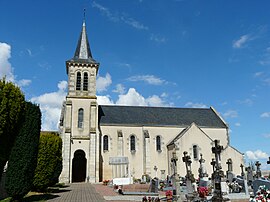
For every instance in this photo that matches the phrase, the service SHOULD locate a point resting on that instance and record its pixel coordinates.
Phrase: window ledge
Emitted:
(133, 151)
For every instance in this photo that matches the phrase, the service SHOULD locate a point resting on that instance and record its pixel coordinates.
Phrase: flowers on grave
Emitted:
(262, 195)
(144, 199)
(150, 199)
(162, 185)
(203, 192)
(168, 193)
(105, 182)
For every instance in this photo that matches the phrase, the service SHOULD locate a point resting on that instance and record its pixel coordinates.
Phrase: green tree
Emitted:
(12, 106)
(49, 164)
(23, 157)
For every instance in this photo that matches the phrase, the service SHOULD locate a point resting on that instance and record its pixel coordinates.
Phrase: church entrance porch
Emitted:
(79, 166)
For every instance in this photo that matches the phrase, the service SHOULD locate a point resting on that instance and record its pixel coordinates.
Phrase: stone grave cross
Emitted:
(203, 176)
(202, 170)
(242, 170)
(213, 164)
(250, 177)
(220, 185)
(217, 149)
(268, 162)
(229, 173)
(176, 180)
(187, 160)
(258, 170)
(190, 180)
(229, 163)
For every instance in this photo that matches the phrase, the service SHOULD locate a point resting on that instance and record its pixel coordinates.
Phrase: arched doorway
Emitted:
(79, 166)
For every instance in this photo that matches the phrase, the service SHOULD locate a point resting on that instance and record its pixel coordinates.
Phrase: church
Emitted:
(102, 142)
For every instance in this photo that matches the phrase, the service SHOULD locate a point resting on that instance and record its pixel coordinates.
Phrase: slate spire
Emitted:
(83, 51)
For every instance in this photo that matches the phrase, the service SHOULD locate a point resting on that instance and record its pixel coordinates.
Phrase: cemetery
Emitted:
(218, 186)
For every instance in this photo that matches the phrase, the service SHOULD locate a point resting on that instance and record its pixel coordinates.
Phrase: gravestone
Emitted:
(243, 176)
(190, 180)
(258, 174)
(229, 173)
(260, 182)
(220, 186)
(230, 177)
(250, 177)
(154, 186)
(203, 176)
(268, 162)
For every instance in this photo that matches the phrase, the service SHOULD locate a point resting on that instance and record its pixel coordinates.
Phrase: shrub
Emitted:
(12, 106)
(49, 164)
(23, 156)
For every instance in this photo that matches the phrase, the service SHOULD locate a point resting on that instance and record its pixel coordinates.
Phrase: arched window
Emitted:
(195, 152)
(80, 118)
(158, 145)
(85, 81)
(105, 143)
(78, 81)
(132, 143)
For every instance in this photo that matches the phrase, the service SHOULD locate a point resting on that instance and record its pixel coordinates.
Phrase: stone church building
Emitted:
(102, 142)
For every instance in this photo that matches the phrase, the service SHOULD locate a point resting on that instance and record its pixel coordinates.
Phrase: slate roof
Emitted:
(83, 52)
(158, 116)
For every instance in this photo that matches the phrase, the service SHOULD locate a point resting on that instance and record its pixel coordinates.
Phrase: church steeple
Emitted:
(83, 51)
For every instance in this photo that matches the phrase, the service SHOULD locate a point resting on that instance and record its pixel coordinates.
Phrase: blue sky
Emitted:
(182, 53)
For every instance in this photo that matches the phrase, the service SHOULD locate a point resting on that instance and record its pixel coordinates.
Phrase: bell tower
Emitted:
(80, 116)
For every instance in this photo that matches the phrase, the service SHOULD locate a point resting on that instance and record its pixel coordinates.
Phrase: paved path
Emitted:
(80, 192)
(77, 192)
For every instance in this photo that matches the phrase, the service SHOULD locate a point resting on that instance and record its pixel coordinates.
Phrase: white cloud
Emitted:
(155, 101)
(116, 17)
(265, 57)
(134, 23)
(6, 69)
(247, 102)
(104, 100)
(103, 82)
(50, 106)
(258, 74)
(265, 115)
(255, 155)
(231, 114)
(164, 95)
(237, 124)
(267, 81)
(24, 82)
(267, 135)
(132, 98)
(241, 42)
(150, 79)
(157, 38)
(119, 89)
(29, 52)
(195, 105)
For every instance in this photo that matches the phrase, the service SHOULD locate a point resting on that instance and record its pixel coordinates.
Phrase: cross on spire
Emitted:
(84, 14)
